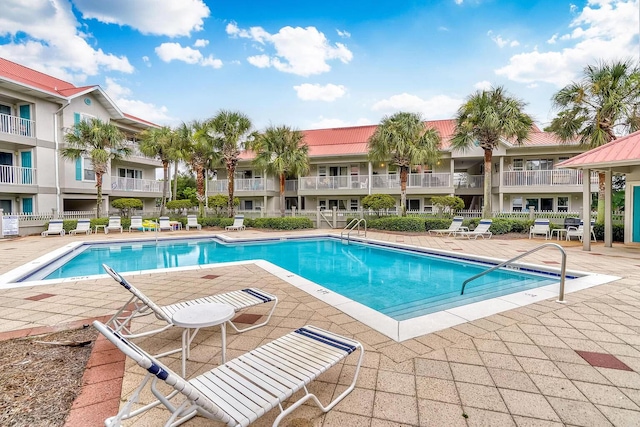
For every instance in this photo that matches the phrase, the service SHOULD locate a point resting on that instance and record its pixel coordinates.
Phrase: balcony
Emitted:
(333, 182)
(291, 185)
(242, 185)
(414, 180)
(555, 177)
(136, 185)
(15, 125)
(16, 175)
(463, 180)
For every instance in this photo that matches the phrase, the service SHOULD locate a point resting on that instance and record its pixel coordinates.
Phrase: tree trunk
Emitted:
(282, 195)
(200, 190)
(404, 171)
(174, 195)
(486, 206)
(99, 198)
(165, 186)
(230, 186)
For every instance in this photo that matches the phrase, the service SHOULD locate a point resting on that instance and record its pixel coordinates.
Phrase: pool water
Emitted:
(399, 283)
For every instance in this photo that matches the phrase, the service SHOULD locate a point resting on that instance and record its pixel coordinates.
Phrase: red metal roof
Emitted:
(21, 74)
(622, 151)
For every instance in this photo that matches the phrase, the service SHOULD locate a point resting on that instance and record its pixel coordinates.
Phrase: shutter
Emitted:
(25, 162)
(27, 205)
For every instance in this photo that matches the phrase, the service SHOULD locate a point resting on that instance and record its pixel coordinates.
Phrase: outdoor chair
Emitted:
(481, 230)
(243, 389)
(136, 224)
(164, 224)
(55, 227)
(114, 224)
(83, 226)
(238, 224)
(456, 226)
(540, 227)
(579, 231)
(192, 222)
(140, 305)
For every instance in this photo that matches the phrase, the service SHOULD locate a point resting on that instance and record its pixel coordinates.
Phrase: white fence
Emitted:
(17, 175)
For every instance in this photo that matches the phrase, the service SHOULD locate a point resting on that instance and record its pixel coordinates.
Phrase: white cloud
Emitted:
(328, 123)
(52, 41)
(442, 28)
(121, 95)
(514, 43)
(439, 106)
(201, 43)
(301, 51)
(316, 92)
(159, 17)
(483, 85)
(604, 30)
(145, 59)
(553, 39)
(344, 34)
(458, 1)
(174, 51)
(502, 42)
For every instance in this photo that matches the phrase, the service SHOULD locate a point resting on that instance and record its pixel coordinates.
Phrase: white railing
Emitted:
(47, 216)
(133, 184)
(17, 125)
(17, 175)
(463, 180)
(333, 182)
(291, 185)
(249, 184)
(415, 180)
(553, 177)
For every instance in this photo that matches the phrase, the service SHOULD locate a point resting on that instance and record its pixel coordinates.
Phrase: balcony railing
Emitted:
(17, 125)
(133, 184)
(248, 184)
(333, 182)
(415, 180)
(17, 175)
(463, 180)
(555, 177)
(291, 185)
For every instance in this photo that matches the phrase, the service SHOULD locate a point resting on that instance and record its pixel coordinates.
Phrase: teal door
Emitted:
(636, 214)
(27, 205)
(25, 124)
(25, 162)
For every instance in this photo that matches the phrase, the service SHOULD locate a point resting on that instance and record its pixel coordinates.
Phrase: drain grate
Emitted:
(603, 360)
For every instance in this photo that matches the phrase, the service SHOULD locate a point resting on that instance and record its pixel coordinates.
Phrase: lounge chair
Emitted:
(114, 224)
(140, 305)
(245, 388)
(83, 226)
(136, 224)
(456, 226)
(164, 224)
(238, 224)
(192, 222)
(579, 231)
(540, 227)
(55, 227)
(481, 230)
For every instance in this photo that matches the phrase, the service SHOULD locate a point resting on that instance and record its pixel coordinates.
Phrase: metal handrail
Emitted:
(563, 268)
(355, 222)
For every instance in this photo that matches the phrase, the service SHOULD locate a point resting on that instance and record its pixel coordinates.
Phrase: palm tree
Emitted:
(157, 143)
(404, 140)
(179, 151)
(485, 118)
(594, 110)
(201, 155)
(281, 151)
(98, 141)
(229, 131)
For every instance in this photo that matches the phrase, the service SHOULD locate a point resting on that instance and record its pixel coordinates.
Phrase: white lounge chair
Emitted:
(114, 224)
(579, 231)
(192, 222)
(540, 227)
(245, 388)
(456, 226)
(481, 230)
(164, 224)
(83, 226)
(238, 224)
(136, 224)
(140, 305)
(55, 227)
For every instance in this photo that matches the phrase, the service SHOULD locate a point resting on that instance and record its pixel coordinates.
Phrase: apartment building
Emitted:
(36, 110)
(523, 176)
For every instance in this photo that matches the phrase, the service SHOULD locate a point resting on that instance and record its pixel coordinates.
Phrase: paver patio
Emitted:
(526, 367)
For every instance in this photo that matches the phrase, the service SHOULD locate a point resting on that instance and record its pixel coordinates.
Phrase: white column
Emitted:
(586, 209)
(608, 223)
(370, 181)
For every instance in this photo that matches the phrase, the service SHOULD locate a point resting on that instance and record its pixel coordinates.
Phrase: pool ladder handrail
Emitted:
(563, 268)
(355, 222)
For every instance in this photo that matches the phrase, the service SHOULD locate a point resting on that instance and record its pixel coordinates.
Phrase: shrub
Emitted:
(447, 204)
(436, 224)
(618, 232)
(378, 202)
(394, 223)
(287, 223)
(220, 202)
(127, 205)
(179, 204)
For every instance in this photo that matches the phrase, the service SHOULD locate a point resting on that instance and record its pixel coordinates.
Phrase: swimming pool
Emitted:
(398, 283)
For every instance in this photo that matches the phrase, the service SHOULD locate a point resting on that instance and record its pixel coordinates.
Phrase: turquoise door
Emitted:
(636, 214)
(25, 125)
(25, 162)
(27, 205)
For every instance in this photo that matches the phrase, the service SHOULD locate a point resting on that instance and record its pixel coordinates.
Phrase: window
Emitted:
(392, 169)
(516, 205)
(322, 171)
(322, 204)
(130, 173)
(563, 204)
(354, 204)
(88, 174)
(248, 205)
(533, 203)
(340, 204)
(539, 164)
(355, 170)
(413, 204)
(428, 205)
(518, 164)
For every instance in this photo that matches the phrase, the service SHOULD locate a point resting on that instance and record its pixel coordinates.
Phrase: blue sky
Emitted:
(316, 64)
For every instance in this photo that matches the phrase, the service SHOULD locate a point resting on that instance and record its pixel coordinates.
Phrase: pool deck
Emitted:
(540, 365)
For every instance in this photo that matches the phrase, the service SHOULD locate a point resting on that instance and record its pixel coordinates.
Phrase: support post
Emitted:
(608, 222)
(335, 217)
(586, 209)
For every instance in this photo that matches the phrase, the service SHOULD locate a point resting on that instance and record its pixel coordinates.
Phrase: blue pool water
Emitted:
(399, 283)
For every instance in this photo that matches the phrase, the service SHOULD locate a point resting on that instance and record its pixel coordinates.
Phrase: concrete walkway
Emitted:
(540, 365)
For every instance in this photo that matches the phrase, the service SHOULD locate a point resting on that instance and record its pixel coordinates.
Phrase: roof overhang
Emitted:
(31, 90)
